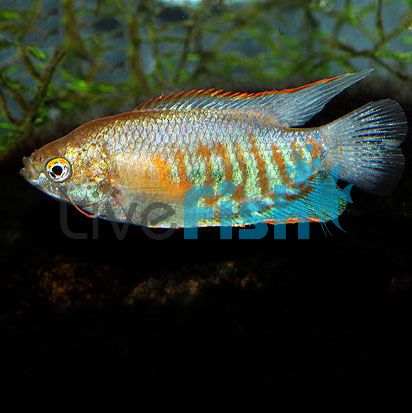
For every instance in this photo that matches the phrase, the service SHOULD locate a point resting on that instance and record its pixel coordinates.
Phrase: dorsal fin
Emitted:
(289, 107)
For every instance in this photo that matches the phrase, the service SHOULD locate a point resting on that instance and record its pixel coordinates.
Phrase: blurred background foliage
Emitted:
(76, 59)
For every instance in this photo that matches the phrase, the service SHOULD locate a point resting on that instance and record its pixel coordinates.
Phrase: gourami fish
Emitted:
(247, 149)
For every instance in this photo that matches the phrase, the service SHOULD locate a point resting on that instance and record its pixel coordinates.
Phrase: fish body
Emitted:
(247, 153)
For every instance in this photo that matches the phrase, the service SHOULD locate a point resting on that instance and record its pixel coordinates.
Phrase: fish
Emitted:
(214, 158)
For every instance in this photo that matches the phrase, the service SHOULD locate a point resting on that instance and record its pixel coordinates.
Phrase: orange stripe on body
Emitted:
(184, 185)
(281, 165)
(264, 184)
(181, 166)
(206, 155)
(303, 187)
(239, 193)
(221, 150)
(163, 170)
(316, 148)
(297, 151)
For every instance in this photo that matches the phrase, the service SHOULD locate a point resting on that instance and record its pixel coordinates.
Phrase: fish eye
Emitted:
(59, 169)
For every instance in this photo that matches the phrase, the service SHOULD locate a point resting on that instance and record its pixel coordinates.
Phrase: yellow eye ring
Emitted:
(59, 169)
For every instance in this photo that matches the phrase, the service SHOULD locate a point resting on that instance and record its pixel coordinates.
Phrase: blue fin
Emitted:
(325, 202)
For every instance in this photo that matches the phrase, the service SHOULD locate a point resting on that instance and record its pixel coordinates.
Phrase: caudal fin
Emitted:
(363, 146)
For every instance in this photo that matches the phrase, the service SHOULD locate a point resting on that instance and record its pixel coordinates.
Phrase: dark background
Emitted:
(194, 322)
(323, 322)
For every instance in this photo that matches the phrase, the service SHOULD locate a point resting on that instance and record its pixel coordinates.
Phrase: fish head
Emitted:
(68, 169)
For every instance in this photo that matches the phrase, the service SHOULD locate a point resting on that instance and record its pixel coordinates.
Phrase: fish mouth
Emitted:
(28, 172)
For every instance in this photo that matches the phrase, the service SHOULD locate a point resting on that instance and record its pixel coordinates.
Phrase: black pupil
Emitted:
(57, 170)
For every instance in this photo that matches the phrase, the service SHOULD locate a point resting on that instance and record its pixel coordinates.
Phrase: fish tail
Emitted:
(363, 147)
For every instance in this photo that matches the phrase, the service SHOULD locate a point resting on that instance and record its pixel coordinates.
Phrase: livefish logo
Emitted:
(324, 202)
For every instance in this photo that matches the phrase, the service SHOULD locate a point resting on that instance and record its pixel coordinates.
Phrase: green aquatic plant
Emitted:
(20, 128)
(117, 53)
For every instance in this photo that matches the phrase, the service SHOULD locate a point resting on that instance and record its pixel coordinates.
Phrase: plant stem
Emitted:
(28, 123)
(6, 110)
(17, 96)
